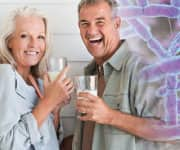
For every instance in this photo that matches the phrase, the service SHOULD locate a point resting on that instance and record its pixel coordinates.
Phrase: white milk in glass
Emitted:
(53, 74)
(93, 92)
(55, 66)
(86, 84)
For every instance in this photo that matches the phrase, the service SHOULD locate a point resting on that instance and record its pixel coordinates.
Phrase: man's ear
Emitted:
(117, 22)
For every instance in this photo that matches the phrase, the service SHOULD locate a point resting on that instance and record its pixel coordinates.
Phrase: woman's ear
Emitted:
(9, 43)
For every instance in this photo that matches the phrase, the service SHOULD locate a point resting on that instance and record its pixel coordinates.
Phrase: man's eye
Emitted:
(84, 24)
(100, 23)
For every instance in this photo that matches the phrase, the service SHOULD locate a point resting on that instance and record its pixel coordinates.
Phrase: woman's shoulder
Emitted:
(6, 68)
(6, 71)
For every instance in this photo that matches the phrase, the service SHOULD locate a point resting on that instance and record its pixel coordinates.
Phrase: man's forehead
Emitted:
(98, 6)
(96, 12)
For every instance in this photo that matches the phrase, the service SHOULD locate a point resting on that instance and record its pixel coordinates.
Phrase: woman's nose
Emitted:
(32, 42)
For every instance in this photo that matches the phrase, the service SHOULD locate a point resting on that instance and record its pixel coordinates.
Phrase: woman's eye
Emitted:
(41, 37)
(23, 35)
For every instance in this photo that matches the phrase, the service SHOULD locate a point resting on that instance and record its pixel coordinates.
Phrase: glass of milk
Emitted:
(86, 83)
(56, 65)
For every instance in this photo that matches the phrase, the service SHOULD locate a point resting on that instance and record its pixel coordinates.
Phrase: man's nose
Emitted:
(92, 30)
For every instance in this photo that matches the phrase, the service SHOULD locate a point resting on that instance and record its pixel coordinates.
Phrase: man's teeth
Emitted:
(95, 39)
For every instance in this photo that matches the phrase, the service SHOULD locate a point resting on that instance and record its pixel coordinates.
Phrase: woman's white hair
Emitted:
(7, 30)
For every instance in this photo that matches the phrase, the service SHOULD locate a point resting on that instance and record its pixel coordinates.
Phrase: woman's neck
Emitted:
(24, 73)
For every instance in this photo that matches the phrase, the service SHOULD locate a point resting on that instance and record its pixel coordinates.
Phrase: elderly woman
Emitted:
(28, 107)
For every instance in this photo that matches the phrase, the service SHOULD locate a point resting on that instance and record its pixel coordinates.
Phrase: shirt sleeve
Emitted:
(148, 102)
(18, 130)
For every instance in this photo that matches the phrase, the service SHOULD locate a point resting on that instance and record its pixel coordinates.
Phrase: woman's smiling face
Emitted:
(28, 42)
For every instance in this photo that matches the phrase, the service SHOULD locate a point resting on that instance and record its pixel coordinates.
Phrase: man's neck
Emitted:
(101, 61)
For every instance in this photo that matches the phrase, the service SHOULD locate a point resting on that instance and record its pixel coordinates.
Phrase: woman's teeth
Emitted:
(31, 52)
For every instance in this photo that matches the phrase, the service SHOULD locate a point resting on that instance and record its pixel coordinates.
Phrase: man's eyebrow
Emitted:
(100, 18)
(83, 20)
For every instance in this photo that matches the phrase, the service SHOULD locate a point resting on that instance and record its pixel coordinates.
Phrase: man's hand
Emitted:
(94, 108)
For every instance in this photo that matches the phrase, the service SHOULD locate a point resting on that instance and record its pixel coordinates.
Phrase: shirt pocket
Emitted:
(119, 102)
(120, 142)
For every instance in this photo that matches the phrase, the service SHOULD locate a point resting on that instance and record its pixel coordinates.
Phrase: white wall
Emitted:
(66, 40)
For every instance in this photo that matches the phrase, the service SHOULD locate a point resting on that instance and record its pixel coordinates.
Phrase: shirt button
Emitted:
(41, 137)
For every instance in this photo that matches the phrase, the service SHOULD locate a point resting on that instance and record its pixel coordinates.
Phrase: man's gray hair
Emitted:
(112, 3)
(7, 30)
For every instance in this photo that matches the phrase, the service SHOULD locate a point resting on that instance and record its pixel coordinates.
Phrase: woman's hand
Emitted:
(56, 94)
(58, 91)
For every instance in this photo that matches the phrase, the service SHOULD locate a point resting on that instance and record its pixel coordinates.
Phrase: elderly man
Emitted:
(129, 115)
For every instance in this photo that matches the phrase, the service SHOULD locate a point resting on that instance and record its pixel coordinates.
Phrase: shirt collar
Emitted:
(22, 88)
(118, 57)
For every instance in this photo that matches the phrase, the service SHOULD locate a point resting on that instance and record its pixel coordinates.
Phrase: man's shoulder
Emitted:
(138, 58)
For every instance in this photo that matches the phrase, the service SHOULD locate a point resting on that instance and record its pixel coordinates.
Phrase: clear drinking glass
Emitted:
(56, 65)
(86, 83)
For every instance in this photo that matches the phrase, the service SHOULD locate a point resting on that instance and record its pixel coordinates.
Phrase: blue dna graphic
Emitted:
(168, 66)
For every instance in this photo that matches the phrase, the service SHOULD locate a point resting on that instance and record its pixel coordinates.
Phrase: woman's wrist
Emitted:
(40, 113)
